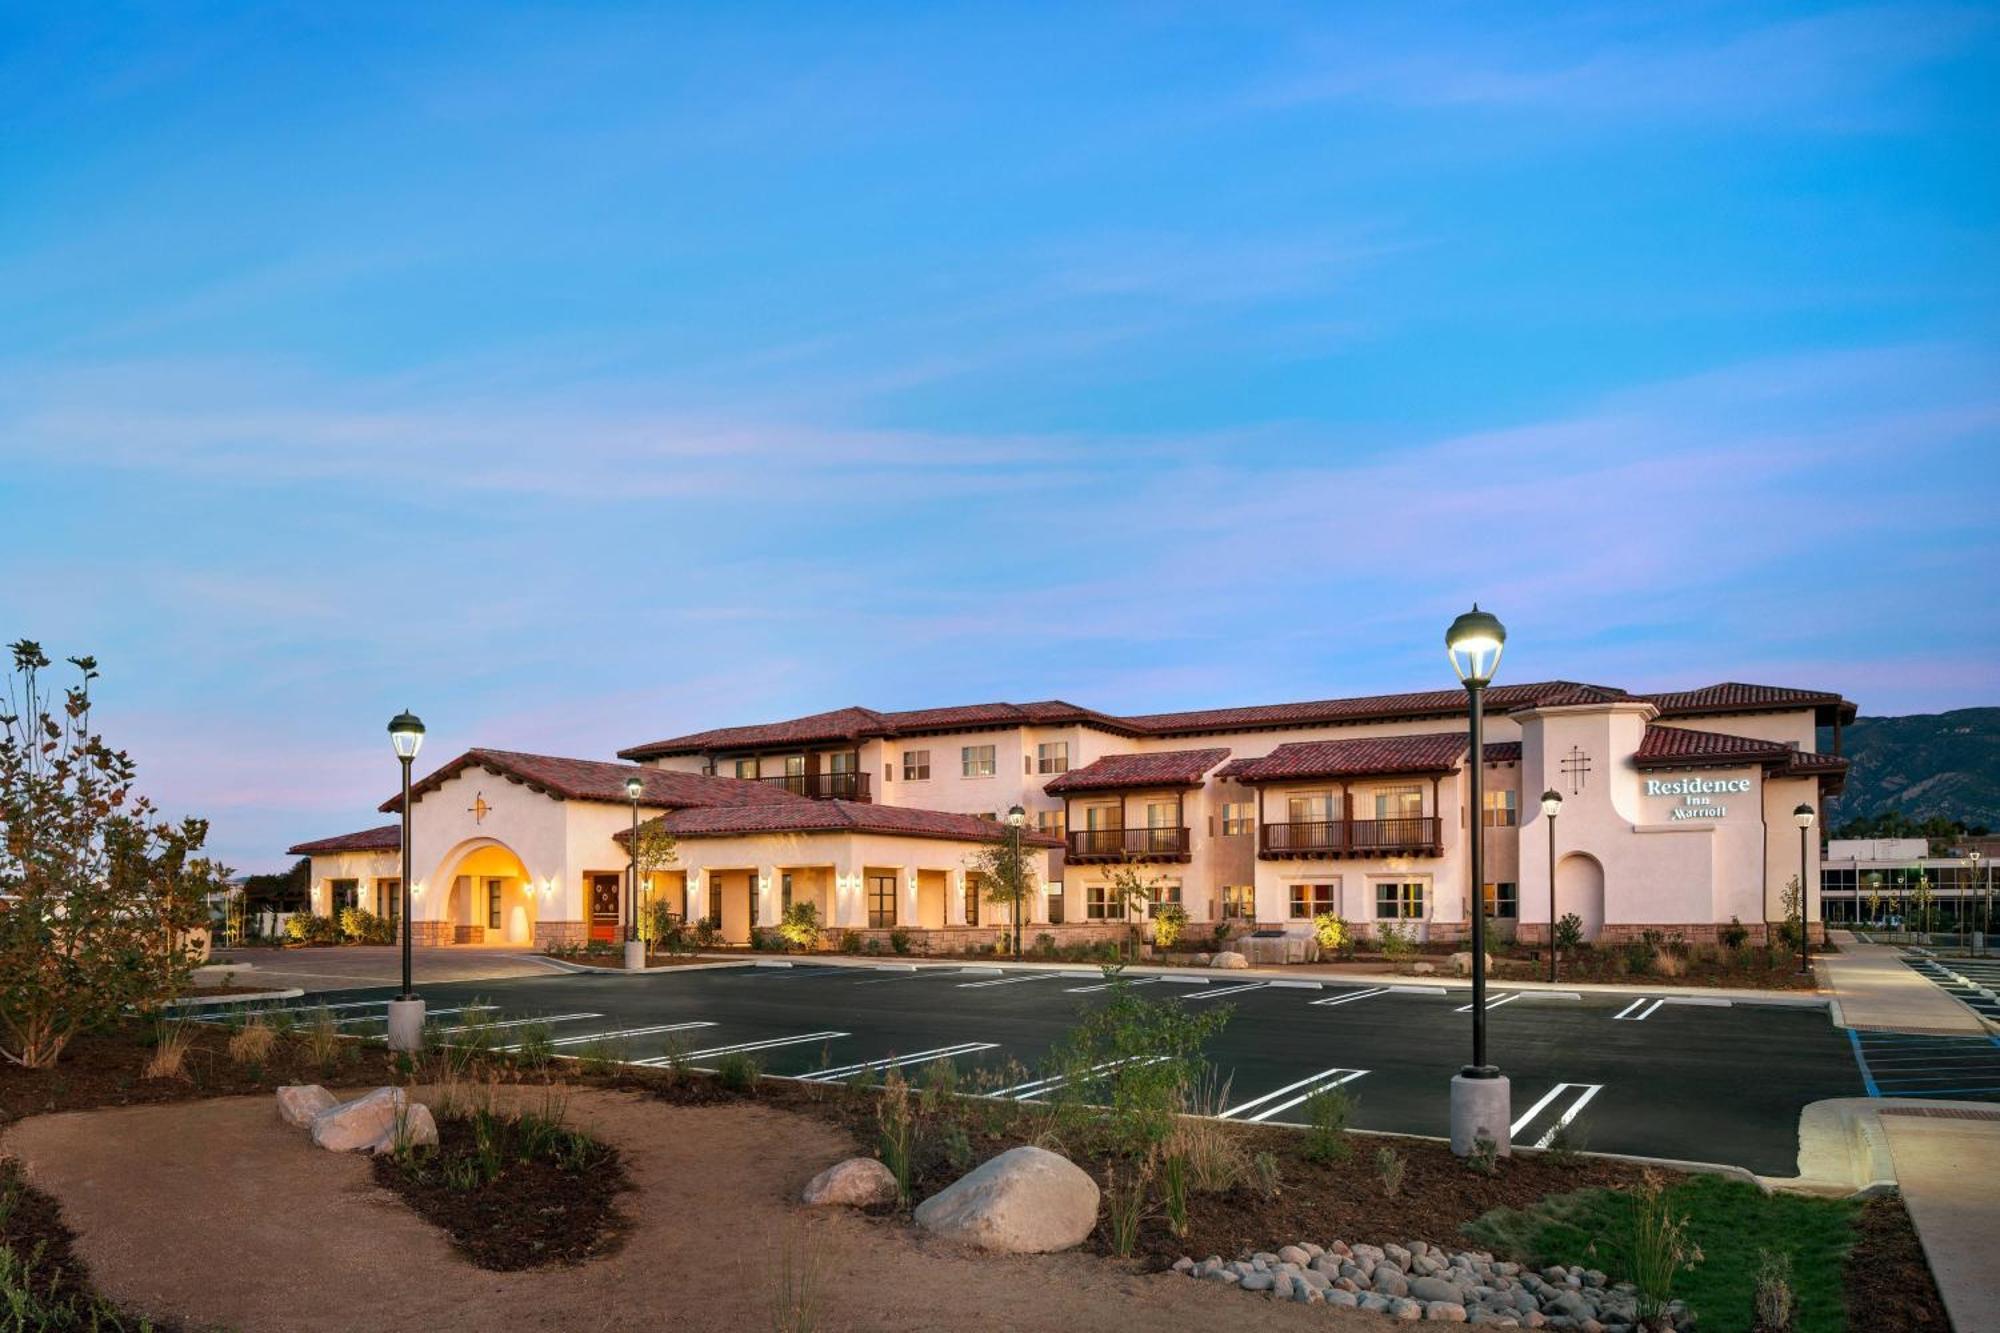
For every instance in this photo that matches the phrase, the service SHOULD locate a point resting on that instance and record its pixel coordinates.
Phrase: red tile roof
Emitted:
(1432, 752)
(1681, 747)
(837, 817)
(1503, 752)
(1371, 708)
(598, 780)
(1126, 772)
(1737, 697)
(387, 838)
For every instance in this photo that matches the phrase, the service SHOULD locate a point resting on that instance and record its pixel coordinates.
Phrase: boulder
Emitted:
(1445, 1312)
(1430, 1289)
(1025, 1201)
(858, 1182)
(417, 1130)
(299, 1103)
(1423, 969)
(361, 1123)
(1229, 958)
(1461, 962)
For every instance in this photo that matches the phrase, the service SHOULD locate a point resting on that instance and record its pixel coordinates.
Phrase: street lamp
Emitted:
(635, 948)
(1552, 804)
(1803, 817)
(406, 1011)
(1016, 817)
(1481, 1105)
(1986, 903)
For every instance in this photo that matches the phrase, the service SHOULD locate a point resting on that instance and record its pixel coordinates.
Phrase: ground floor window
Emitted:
(714, 904)
(975, 888)
(1162, 893)
(1101, 904)
(881, 901)
(1399, 901)
(1055, 904)
(493, 887)
(1503, 902)
(1239, 902)
(389, 896)
(785, 892)
(1309, 900)
(345, 893)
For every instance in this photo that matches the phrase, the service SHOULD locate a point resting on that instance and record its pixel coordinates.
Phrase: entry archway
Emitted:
(488, 895)
(1580, 889)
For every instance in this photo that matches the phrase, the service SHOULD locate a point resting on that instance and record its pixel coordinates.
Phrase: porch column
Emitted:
(844, 905)
(765, 886)
(697, 896)
(907, 880)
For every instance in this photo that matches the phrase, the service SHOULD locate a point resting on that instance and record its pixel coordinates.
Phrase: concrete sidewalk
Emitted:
(1874, 988)
(1947, 1161)
(347, 966)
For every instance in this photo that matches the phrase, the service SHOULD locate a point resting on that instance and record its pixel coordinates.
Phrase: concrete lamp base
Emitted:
(406, 1024)
(1481, 1108)
(635, 955)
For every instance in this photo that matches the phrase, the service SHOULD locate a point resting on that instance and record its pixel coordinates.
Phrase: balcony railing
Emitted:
(1118, 843)
(849, 786)
(1357, 837)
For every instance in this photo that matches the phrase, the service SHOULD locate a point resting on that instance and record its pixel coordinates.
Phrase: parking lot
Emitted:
(1655, 1075)
(1973, 982)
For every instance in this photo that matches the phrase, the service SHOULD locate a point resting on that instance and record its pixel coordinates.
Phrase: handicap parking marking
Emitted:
(513, 1023)
(888, 1062)
(1215, 993)
(1505, 998)
(1259, 1109)
(1643, 1010)
(1585, 1092)
(1036, 1088)
(768, 1044)
(616, 1034)
(1012, 981)
(1351, 996)
(1107, 985)
(1908, 1064)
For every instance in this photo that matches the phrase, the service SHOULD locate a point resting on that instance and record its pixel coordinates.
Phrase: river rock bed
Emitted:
(1422, 1281)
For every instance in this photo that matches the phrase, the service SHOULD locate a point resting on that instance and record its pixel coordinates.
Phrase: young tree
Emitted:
(1006, 871)
(100, 896)
(655, 850)
(1135, 889)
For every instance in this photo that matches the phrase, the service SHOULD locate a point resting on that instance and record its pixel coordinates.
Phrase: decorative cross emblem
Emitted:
(479, 809)
(1577, 765)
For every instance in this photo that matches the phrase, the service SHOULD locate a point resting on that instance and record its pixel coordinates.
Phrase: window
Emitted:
(975, 889)
(1503, 902)
(977, 761)
(389, 896)
(1399, 803)
(1309, 900)
(841, 761)
(1049, 822)
(493, 903)
(1399, 902)
(785, 891)
(1502, 808)
(1313, 807)
(881, 901)
(1238, 817)
(1163, 893)
(1052, 757)
(916, 765)
(1055, 904)
(1101, 904)
(1239, 902)
(715, 901)
(346, 893)
(746, 768)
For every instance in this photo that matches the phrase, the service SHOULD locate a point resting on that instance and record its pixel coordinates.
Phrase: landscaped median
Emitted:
(556, 1185)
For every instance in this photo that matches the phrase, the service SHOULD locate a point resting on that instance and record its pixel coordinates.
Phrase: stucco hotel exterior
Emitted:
(1676, 815)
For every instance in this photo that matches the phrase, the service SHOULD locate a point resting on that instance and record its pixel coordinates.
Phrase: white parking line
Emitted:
(1033, 1088)
(899, 1061)
(1304, 1088)
(1630, 1017)
(1012, 981)
(765, 1045)
(1351, 996)
(434, 1013)
(912, 974)
(514, 1023)
(620, 1034)
(1228, 990)
(1107, 985)
(1490, 1003)
(1585, 1091)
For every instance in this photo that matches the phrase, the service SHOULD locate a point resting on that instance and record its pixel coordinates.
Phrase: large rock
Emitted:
(1432, 1289)
(300, 1103)
(417, 1129)
(361, 1123)
(858, 1182)
(1229, 958)
(1025, 1201)
(1461, 962)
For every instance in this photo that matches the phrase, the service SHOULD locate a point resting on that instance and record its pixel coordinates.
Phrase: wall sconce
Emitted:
(417, 889)
(913, 879)
(763, 884)
(548, 886)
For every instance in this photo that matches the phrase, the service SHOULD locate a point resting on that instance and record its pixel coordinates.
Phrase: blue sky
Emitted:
(584, 374)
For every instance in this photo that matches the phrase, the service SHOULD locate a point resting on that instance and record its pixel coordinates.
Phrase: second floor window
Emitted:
(977, 761)
(1049, 822)
(1501, 808)
(1052, 757)
(1238, 817)
(1399, 803)
(916, 765)
(746, 768)
(1312, 807)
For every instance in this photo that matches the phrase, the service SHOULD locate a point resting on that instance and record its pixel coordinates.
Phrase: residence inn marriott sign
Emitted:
(1676, 815)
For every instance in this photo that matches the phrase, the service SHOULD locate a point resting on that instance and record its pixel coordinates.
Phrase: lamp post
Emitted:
(1016, 817)
(1552, 804)
(1481, 1105)
(1986, 903)
(1803, 817)
(635, 948)
(406, 1011)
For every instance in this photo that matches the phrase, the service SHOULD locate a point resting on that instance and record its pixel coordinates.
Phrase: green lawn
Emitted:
(1729, 1219)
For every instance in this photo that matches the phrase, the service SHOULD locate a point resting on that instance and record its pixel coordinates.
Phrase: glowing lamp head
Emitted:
(1017, 816)
(406, 733)
(1474, 642)
(1552, 803)
(1803, 816)
(634, 788)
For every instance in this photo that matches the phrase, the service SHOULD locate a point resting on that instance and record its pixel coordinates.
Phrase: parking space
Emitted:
(1710, 1082)
(1973, 982)
(1900, 1064)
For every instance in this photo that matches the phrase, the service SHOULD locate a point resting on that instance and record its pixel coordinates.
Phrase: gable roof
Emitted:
(1125, 772)
(1681, 747)
(1433, 752)
(599, 780)
(387, 838)
(835, 817)
(1733, 696)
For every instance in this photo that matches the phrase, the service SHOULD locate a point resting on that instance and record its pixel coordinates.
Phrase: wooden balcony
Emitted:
(849, 786)
(1416, 836)
(1127, 844)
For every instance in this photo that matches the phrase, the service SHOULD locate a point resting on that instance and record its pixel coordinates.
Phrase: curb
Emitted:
(254, 997)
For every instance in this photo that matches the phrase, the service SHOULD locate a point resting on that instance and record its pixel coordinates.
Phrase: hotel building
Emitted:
(1676, 815)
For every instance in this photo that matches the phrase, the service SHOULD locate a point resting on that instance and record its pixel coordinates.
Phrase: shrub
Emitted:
(1735, 935)
(738, 1072)
(800, 926)
(1397, 943)
(537, 1046)
(1138, 1057)
(1174, 1192)
(760, 940)
(707, 934)
(1659, 1249)
(899, 940)
(1265, 1174)
(1389, 1170)
(1484, 1159)
(1125, 1205)
(1169, 925)
(170, 1048)
(1332, 932)
(322, 1037)
(1569, 933)
(364, 927)
(1045, 943)
(895, 1123)
(251, 1044)
(1774, 1302)
(1327, 1113)
(872, 945)
(850, 942)
(1637, 955)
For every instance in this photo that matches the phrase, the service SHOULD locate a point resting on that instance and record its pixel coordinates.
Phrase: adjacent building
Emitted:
(1676, 815)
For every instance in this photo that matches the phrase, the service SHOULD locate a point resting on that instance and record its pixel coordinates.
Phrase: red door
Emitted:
(605, 918)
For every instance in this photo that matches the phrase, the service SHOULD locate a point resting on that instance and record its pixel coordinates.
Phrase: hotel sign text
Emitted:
(1697, 795)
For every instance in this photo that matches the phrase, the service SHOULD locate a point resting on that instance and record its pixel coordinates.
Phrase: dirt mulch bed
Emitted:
(538, 1212)
(32, 1227)
(1887, 1276)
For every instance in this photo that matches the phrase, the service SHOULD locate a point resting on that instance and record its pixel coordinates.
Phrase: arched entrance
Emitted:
(1580, 889)
(489, 895)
